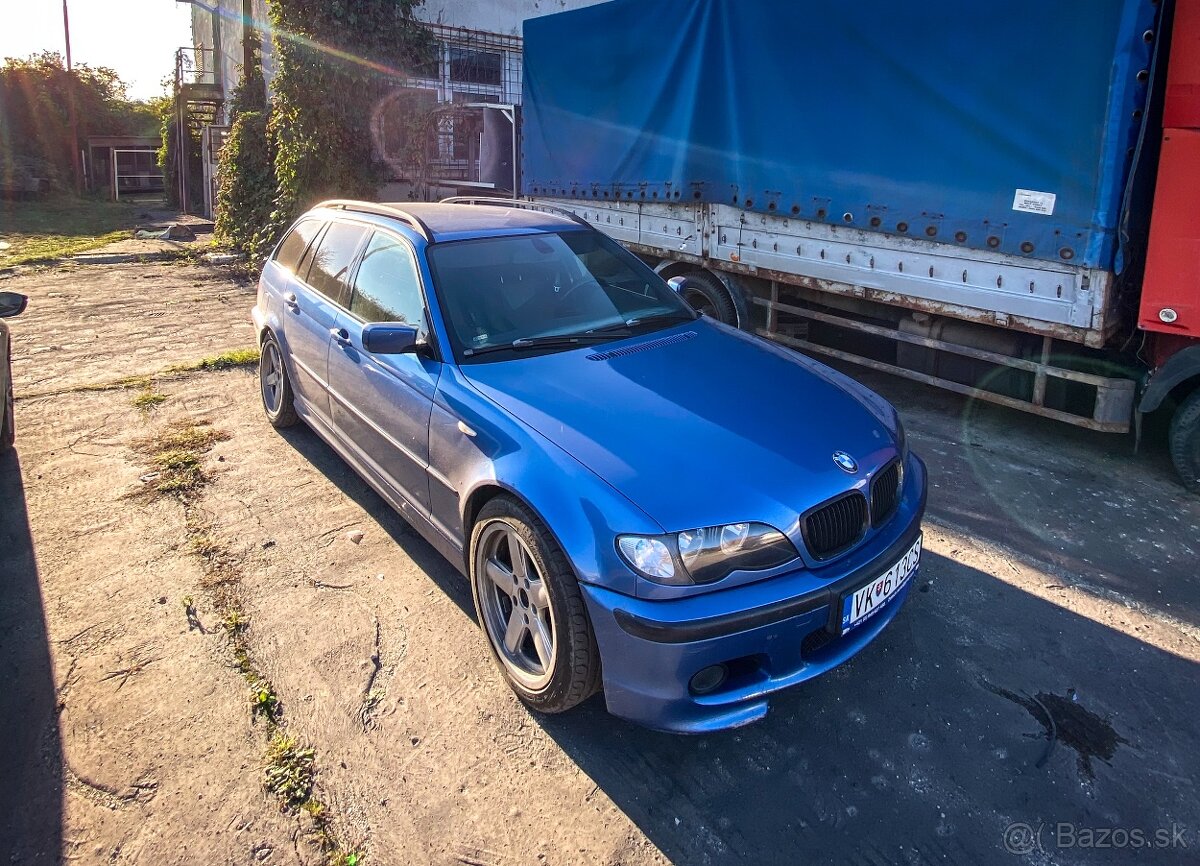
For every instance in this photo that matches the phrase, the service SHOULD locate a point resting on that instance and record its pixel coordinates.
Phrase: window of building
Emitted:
(472, 66)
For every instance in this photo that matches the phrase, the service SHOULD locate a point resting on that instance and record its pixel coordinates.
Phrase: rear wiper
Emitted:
(549, 340)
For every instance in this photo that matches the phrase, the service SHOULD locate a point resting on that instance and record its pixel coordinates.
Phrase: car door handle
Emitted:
(290, 300)
(340, 336)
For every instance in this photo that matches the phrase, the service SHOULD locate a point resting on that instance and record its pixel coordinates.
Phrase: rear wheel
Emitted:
(708, 295)
(1185, 441)
(531, 609)
(8, 429)
(274, 385)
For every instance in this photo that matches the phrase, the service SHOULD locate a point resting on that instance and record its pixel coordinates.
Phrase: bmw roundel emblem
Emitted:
(845, 462)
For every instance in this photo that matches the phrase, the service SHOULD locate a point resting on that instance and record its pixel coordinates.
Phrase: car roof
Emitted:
(451, 222)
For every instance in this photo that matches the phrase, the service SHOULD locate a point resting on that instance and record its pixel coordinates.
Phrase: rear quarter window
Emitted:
(290, 251)
(331, 264)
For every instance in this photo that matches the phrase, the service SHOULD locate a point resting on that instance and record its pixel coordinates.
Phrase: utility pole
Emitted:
(75, 166)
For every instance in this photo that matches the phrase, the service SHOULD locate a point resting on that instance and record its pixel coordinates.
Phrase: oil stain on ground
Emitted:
(1069, 723)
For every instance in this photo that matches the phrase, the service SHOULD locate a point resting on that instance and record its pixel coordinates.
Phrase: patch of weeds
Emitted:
(290, 771)
(322, 836)
(264, 702)
(289, 767)
(148, 398)
(246, 357)
(235, 622)
(176, 453)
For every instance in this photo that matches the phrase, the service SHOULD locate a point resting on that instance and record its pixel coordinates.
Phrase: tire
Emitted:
(504, 589)
(274, 386)
(706, 294)
(8, 421)
(1185, 441)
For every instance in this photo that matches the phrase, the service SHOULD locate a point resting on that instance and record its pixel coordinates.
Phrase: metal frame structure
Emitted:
(116, 175)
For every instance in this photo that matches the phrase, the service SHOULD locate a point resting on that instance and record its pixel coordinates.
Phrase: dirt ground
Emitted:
(1060, 577)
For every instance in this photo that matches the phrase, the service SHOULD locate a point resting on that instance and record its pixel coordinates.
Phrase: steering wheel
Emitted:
(586, 281)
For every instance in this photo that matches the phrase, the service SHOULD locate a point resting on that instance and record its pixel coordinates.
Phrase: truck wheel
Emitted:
(1185, 441)
(706, 294)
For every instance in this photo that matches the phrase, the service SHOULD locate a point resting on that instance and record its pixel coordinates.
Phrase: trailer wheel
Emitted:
(1185, 441)
(706, 294)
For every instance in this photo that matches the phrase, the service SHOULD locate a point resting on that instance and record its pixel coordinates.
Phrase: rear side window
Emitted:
(331, 264)
(296, 243)
(387, 288)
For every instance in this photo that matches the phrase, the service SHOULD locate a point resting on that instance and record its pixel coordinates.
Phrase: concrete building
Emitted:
(478, 62)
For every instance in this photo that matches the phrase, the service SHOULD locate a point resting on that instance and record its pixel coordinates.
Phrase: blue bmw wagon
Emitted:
(644, 500)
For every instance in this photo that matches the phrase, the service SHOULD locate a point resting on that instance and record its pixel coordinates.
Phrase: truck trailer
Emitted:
(1001, 201)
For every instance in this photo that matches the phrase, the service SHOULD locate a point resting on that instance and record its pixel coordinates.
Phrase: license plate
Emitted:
(866, 601)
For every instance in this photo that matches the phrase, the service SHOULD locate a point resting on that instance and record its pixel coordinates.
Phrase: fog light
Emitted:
(709, 679)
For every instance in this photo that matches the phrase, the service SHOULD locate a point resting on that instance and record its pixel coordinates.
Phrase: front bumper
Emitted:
(768, 634)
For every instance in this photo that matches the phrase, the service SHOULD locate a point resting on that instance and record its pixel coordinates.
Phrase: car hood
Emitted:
(698, 425)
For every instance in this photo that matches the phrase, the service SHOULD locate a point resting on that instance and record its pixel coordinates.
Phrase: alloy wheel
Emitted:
(515, 604)
(271, 377)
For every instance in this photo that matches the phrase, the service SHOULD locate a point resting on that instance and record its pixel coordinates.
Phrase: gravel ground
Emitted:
(1060, 578)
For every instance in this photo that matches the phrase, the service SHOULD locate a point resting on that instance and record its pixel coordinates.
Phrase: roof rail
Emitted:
(417, 223)
(517, 202)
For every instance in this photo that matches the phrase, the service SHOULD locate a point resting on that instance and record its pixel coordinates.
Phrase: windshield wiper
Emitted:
(624, 328)
(547, 341)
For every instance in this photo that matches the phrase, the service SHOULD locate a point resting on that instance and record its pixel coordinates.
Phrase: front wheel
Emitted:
(531, 609)
(1185, 441)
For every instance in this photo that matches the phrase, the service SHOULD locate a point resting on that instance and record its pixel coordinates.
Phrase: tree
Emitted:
(35, 95)
(334, 61)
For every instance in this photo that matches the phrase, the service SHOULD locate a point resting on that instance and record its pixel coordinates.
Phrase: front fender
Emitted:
(1180, 367)
(582, 511)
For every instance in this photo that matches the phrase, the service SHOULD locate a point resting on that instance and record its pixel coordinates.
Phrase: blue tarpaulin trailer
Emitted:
(959, 177)
(1011, 126)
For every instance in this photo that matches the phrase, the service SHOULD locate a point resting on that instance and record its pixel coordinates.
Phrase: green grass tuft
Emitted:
(290, 771)
(246, 357)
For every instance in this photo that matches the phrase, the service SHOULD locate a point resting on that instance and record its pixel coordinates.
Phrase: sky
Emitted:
(137, 38)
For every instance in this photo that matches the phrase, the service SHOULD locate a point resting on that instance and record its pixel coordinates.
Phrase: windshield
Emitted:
(531, 289)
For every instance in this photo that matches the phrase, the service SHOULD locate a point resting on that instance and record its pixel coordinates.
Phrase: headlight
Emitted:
(650, 556)
(706, 555)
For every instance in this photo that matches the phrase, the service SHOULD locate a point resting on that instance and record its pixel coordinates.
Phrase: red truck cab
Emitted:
(1170, 303)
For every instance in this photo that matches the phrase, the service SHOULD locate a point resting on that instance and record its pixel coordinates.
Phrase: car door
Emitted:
(313, 303)
(382, 403)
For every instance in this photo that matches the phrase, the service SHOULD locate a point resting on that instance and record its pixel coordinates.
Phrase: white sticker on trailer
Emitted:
(1032, 201)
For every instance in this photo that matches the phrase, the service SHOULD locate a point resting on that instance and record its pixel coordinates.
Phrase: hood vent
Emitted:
(643, 347)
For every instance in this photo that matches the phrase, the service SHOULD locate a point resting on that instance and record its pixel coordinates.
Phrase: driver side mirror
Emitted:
(386, 338)
(12, 304)
(678, 284)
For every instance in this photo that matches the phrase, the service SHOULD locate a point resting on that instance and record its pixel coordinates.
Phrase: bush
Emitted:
(246, 192)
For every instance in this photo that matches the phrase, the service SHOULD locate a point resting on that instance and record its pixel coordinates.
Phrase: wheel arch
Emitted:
(1178, 377)
(485, 493)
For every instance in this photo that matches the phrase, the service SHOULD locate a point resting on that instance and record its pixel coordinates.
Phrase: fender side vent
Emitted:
(643, 347)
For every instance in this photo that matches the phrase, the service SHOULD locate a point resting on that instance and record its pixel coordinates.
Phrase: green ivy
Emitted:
(246, 190)
(334, 60)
